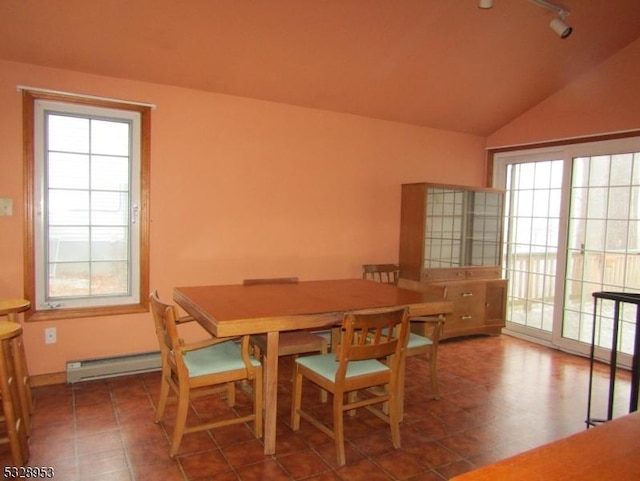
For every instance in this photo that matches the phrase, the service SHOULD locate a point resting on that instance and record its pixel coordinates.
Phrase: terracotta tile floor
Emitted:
(500, 396)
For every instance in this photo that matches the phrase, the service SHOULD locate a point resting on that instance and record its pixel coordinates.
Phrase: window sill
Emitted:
(56, 314)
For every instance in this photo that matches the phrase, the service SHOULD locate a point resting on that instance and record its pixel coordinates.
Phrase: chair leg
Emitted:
(351, 398)
(181, 420)
(296, 398)
(395, 413)
(164, 394)
(338, 427)
(323, 393)
(257, 404)
(401, 387)
(231, 394)
(433, 365)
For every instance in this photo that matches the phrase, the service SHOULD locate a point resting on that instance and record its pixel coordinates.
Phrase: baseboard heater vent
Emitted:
(112, 366)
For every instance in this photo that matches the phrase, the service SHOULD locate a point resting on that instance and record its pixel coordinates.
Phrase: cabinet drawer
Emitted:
(463, 273)
(468, 302)
(492, 272)
(442, 275)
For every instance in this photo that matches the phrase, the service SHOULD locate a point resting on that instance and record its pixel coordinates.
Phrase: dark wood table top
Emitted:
(607, 452)
(231, 310)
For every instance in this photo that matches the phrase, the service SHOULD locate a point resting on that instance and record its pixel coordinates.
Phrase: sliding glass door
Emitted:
(572, 228)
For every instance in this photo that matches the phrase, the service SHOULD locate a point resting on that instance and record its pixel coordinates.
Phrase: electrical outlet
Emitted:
(50, 335)
(6, 206)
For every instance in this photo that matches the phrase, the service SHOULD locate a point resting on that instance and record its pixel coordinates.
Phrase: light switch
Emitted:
(6, 207)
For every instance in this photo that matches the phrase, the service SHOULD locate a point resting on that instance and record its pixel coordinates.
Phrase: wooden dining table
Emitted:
(235, 310)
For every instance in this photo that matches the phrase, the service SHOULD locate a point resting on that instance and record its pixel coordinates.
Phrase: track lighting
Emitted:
(558, 25)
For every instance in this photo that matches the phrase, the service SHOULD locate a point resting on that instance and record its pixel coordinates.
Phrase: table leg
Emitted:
(271, 393)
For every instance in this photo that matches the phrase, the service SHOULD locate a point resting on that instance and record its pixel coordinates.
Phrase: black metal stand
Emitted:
(617, 298)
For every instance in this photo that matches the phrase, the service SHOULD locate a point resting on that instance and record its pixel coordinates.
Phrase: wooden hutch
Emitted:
(452, 235)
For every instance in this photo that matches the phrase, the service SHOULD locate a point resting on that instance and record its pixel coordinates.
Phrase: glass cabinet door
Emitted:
(485, 218)
(463, 227)
(444, 232)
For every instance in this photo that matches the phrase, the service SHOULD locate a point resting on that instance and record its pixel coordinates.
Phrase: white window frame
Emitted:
(566, 152)
(36, 104)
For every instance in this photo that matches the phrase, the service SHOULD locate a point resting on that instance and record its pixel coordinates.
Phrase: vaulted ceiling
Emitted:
(437, 63)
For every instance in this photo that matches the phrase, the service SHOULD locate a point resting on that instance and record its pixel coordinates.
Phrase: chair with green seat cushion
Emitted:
(290, 343)
(426, 331)
(366, 358)
(199, 369)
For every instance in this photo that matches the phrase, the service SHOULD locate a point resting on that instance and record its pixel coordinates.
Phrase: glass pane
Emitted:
(595, 231)
(68, 171)
(619, 201)
(109, 243)
(109, 208)
(109, 137)
(68, 207)
(68, 244)
(109, 173)
(69, 279)
(110, 278)
(67, 134)
(616, 238)
(599, 170)
(597, 203)
(621, 167)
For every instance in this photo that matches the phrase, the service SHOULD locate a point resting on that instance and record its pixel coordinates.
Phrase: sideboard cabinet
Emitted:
(452, 236)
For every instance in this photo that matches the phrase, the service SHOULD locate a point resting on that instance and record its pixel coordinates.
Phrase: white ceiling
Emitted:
(438, 63)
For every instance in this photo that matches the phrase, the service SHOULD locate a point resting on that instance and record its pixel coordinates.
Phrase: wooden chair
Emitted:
(290, 343)
(203, 368)
(385, 273)
(425, 334)
(370, 355)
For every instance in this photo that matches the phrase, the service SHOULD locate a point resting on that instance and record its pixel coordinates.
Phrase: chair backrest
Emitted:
(164, 316)
(412, 285)
(428, 329)
(385, 273)
(372, 334)
(270, 280)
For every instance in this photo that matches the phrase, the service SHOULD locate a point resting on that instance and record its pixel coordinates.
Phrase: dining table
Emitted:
(235, 310)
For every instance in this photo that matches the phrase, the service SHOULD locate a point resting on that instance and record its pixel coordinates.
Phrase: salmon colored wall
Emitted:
(605, 100)
(239, 188)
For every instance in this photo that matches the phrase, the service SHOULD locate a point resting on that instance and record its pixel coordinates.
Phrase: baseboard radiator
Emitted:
(106, 367)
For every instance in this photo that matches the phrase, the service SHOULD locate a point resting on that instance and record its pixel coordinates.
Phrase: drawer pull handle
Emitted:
(467, 294)
(465, 318)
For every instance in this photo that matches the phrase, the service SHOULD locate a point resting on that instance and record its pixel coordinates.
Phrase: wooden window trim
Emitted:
(29, 99)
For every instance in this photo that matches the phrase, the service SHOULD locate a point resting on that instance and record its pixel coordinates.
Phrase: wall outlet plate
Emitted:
(6, 207)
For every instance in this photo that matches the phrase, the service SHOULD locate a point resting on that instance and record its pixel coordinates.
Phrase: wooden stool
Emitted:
(11, 308)
(10, 333)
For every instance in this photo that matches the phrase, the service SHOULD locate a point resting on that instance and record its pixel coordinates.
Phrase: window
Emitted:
(572, 229)
(86, 190)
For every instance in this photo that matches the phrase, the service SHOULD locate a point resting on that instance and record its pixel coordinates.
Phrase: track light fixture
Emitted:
(558, 25)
